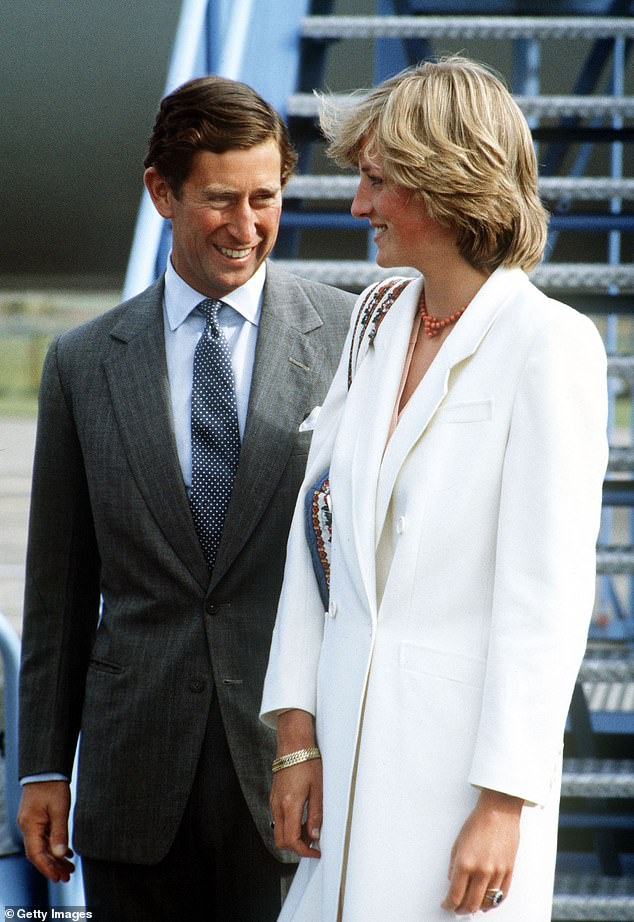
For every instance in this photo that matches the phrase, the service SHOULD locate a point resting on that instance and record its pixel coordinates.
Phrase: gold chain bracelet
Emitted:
(295, 758)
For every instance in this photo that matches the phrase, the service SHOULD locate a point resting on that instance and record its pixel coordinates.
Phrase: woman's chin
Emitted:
(383, 260)
(390, 263)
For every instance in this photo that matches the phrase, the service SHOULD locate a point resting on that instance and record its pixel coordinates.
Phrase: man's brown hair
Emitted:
(214, 114)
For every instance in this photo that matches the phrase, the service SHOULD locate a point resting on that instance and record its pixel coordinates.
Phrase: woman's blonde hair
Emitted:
(450, 131)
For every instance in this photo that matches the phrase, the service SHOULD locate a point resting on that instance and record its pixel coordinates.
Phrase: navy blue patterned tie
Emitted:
(215, 432)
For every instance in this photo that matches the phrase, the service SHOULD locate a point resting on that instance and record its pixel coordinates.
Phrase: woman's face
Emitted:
(404, 232)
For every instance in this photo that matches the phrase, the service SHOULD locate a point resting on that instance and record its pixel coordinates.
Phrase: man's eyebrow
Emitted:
(219, 190)
(227, 190)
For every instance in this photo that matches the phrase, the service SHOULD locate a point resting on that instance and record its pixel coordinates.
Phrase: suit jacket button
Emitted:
(211, 608)
(197, 685)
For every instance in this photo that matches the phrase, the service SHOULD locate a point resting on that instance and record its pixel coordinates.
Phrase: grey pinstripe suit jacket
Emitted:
(110, 518)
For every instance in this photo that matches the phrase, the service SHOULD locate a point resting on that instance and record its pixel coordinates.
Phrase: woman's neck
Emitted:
(450, 285)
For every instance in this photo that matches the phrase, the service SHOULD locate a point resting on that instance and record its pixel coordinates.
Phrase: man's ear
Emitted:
(159, 190)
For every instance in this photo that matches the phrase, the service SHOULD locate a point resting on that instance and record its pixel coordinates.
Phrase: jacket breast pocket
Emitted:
(458, 435)
(301, 445)
(473, 411)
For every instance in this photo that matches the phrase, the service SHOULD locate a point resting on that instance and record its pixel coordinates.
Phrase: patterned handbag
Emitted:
(318, 503)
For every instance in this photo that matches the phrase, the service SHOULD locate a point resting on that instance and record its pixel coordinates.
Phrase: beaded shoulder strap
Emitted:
(317, 503)
(378, 300)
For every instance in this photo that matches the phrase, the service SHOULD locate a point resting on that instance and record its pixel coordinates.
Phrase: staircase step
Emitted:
(463, 27)
(344, 273)
(621, 459)
(612, 697)
(598, 778)
(587, 189)
(621, 365)
(357, 274)
(580, 276)
(608, 666)
(306, 105)
(593, 898)
(614, 560)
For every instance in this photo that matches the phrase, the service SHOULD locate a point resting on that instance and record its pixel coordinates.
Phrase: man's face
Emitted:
(226, 217)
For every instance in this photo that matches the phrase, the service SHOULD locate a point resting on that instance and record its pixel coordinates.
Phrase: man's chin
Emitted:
(226, 277)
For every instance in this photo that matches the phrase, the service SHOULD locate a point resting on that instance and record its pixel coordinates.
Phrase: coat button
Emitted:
(211, 608)
(197, 685)
(332, 609)
(400, 525)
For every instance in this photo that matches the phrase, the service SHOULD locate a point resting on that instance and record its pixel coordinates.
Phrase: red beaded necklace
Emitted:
(435, 325)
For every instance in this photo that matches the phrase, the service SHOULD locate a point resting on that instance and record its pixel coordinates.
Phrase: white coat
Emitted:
(462, 584)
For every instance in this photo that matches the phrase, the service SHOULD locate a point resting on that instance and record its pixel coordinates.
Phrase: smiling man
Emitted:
(168, 459)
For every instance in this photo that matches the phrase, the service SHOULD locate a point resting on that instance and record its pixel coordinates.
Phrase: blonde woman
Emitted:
(464, 436)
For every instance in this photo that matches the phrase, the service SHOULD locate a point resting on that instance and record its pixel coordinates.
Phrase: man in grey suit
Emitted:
(152, 648)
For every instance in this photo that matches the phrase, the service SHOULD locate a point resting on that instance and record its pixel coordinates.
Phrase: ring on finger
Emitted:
(494, 895)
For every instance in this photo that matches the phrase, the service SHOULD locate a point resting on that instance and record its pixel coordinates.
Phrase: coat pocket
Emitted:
(452, 666)
(102, 665)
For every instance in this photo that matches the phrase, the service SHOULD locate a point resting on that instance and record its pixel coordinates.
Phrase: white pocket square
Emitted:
(309, 423)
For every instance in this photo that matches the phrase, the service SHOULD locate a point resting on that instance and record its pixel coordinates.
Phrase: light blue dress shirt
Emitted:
(184, 325)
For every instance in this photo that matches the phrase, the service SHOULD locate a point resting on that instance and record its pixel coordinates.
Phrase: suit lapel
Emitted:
(136, 370)
(286, 364)
(460, 345)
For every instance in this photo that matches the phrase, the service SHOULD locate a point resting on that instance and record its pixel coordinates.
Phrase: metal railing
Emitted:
(10, 651)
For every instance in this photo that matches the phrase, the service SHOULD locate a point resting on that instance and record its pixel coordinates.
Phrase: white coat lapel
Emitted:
(372, 397)
(461, 344)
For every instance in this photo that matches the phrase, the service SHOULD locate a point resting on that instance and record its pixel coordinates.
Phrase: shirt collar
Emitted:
(181, 299)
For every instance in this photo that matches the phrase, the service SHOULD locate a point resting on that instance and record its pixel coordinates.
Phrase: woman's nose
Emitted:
(360, 207)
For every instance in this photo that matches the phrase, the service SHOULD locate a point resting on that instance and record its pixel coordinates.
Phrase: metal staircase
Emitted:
(569, 65)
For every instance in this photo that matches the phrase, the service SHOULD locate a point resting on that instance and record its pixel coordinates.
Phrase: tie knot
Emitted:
(209, 309)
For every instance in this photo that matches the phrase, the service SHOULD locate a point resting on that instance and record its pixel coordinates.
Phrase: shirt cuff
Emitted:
(45, 776)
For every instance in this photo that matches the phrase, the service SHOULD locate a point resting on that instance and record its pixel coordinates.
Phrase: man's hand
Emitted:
(483, 855)
(297, 788)
(43, 819)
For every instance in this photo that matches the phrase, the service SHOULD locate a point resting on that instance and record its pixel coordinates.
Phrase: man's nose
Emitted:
(242, 223)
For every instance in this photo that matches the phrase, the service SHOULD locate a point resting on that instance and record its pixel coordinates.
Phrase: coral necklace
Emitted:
(435, 325)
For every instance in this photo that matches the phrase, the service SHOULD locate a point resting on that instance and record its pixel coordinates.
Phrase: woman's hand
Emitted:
(483, 855)
(297, 788)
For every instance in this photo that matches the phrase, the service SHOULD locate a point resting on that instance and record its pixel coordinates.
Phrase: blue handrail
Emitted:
(26, 883)
(10, 650)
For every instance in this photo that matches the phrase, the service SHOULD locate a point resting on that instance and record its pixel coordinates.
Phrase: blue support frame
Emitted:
(10, 652)
(20, 883)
